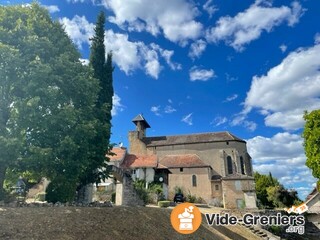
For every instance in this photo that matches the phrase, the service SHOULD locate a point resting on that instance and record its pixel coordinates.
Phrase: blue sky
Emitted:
(248, 67)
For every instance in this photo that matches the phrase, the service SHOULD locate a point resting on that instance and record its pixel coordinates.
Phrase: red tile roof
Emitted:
(119, 154)
(139, 161)
(183, 161)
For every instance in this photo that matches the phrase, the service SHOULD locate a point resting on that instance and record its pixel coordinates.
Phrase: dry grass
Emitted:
(93, 223)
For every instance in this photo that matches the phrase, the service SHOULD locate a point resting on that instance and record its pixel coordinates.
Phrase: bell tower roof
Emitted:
(140, 119)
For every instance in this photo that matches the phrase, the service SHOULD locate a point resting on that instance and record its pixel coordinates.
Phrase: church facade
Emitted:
(214, 166)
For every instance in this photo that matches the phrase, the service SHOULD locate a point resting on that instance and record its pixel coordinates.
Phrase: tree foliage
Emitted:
(263, 182)
(271, 193)
(48, 121)
(102, 70)
(311, 135)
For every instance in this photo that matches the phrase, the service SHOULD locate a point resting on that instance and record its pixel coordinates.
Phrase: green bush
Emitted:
(200, 200)
(147, 195)
(139, 186)
(178, 189)
(191, 198)
(164, 204)
(60, 190)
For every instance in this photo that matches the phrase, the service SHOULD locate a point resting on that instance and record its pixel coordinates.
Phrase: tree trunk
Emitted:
(3, 169)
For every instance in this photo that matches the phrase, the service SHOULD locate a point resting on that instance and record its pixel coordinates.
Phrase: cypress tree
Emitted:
(102, 70)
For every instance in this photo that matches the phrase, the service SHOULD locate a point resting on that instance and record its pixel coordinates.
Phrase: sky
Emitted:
(247, 67)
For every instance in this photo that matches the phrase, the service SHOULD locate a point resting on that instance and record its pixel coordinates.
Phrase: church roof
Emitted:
(191, 138)
(182, 161)
(139, 161)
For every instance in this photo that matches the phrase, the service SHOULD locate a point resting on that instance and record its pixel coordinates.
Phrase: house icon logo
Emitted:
(185, 218)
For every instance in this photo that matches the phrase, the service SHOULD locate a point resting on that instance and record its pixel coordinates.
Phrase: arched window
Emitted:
(229, 165)
(194, 180)
(242, 166)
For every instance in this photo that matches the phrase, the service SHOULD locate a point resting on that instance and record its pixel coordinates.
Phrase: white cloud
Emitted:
(283, 156)
(84, 61)
(128, 55)
(317, 38)
(250, 125)
(229, 78)
(231, 98)
(247, 26)
(217, 121)
(116, 105)
(283, 48)
(169, 109)
(173, 18)
(167, 55)
(280, 146)
(26, 5)
(51, 8)
(210, 8)
(241, 119)
(125, 53)
(152, 65)
(187, 119)
(288, 89)
(155, 110)
(197, 48)
(196, 73)
(78, 29)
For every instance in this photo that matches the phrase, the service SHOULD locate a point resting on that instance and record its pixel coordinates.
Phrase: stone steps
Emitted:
(258, 232)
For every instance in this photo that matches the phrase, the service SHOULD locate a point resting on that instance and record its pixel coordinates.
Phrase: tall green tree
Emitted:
(10, 138)
(311, 135)
(47, 108)
(271, 193)
(102, 69)
(263, 182)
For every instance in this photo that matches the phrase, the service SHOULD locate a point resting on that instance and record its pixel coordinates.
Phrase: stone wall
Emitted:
(183, 179)
(126, 194)
(234, 191)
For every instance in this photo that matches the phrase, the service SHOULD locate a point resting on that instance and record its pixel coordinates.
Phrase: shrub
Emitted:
(60, 191)
(139, 186)
(191, 198)
(164, 204)
(178, 189)
(152, 194)
(200, 200)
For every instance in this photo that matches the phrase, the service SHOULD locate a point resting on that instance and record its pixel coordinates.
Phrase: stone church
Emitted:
(214, 166)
